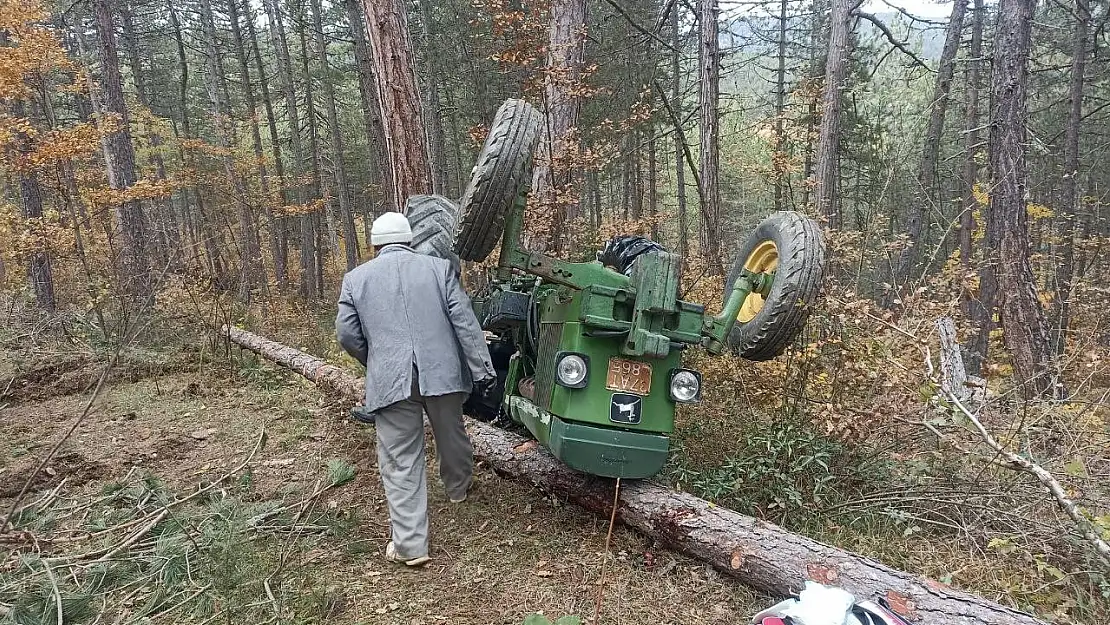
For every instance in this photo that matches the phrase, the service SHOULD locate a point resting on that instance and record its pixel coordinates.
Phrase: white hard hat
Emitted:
(390, 228)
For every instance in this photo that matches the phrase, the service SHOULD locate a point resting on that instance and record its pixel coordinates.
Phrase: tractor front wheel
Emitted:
(790, 246)
(503, 169)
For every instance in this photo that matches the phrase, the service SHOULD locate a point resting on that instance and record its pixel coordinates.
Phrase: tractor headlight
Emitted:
(685, 386)
(571, 370)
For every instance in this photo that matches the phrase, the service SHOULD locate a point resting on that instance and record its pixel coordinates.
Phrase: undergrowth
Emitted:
(139, 553)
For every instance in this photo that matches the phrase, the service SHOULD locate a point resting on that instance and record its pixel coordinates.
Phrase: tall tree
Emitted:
(335, 135)
(432, 79)
(973, 303)
(927, 193)
(709, 76)
(380, 172)
(1069, 196)
(197, 227)
(399, 98)
(39, 270)
(679, 141)
(130, 219)
(308, 284)
(220, 107)
(277, 223)
(1024, 327)
(247, 88)
(553, 177)
(827, 167)
(778, 159)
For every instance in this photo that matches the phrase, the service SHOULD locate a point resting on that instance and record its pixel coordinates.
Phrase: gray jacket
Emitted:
(404, 308)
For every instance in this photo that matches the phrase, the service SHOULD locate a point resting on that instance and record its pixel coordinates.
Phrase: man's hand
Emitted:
(483, 387)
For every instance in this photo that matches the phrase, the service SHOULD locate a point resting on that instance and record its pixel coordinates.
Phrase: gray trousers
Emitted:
(401, 461)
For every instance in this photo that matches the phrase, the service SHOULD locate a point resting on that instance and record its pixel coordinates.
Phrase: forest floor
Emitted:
(295, 535)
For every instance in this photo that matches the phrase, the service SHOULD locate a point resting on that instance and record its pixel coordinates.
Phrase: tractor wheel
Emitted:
(433, 219)
(791, 246)
(503, 169)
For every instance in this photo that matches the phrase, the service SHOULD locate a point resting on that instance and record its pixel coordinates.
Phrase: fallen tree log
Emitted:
(760, 555)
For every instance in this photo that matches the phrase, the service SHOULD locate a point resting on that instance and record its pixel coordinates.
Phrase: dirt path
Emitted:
(507, 552)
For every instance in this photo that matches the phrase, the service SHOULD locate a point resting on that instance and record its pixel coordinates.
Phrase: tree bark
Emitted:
(927, 193)
(256, 139)
(399, 98)
(335, 135)
(826, 169)
(249, 270)
(1024, 327)
(198, 229)
(679, 140)
(308, 286)
(554, 175)
(973, 303)
(277, 223)
(39, 271)
(709, 76)
(756, 553)
(778, 158)
(653, 185)
(437, 143)
(1070, 192)
(131, 229)
(380, 172)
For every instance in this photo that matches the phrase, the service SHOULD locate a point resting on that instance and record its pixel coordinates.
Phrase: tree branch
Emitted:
(1016, 462)
(634, 24)
(901, 45)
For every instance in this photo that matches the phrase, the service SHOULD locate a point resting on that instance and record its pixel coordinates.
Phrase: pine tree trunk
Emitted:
(216, 82)
(778, 159)
(974, 303)
(38, 265)
(927, 193)
(554, 174)
(256, 139)
(1024, 328)
(709, 74)
(437, 144)
(636, 175)
(320, 187)
(335, 134)
(201, 228)
(653, 187)
(162, 221)
(131, 229)
(399, 98)
(308, 287)
(280, 252)
(679, 141)
(380, 172)
(1070, 191)
(826, 169)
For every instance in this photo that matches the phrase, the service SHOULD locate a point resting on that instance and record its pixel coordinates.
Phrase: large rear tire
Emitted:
(790, 245)
(433, 219)
(503, 170)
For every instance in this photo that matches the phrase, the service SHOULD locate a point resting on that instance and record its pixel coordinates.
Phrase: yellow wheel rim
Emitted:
(763, 259)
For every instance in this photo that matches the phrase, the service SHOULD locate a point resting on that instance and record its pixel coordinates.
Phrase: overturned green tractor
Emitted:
(589, 354)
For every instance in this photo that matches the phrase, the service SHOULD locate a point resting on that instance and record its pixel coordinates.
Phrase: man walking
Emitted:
(405, 316)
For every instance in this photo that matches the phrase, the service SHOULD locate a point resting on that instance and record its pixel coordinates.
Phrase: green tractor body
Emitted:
(589, 358)
(611, 411)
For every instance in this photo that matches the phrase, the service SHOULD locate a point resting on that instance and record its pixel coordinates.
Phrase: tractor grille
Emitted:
(548, 346)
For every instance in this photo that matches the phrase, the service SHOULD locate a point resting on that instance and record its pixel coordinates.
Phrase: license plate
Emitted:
(628, 376)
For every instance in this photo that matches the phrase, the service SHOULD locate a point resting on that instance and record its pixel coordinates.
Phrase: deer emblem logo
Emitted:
(625, 408)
